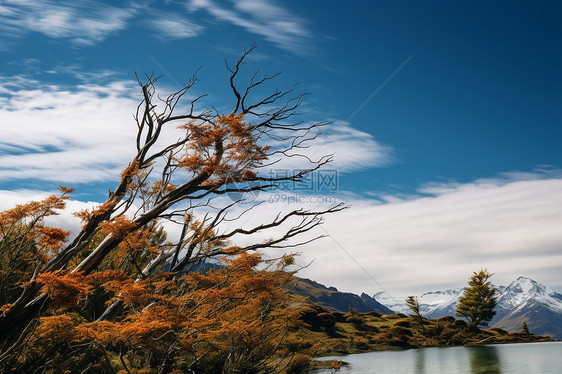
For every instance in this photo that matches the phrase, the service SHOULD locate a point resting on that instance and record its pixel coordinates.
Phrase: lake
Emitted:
(524, 358)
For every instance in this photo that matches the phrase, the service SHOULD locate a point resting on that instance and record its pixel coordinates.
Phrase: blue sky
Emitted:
(437, 106)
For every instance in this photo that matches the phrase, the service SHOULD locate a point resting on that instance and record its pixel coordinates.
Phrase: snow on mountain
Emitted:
(523, 300)
(433, 304)
(525, 291)
(396, 305)
(526, 300)
(439, 303)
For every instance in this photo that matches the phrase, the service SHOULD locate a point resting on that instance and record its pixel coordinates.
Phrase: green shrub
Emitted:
(327, 320)
(339, 317)
(374, 329)
(403, 324)
(447, 333)
(362, 346)
(296, 344)
(498, 330)
(396, 316)
(399, 331)
(311, 316)
(447, 319)
(355, 320)
(434, 331)
(457, 339)
(459, 323)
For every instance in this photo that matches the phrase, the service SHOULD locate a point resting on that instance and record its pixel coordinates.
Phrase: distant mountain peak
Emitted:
(524, 299)
(525, 284)
(525, 291)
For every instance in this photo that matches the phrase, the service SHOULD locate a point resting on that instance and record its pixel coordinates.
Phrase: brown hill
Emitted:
(331, 298)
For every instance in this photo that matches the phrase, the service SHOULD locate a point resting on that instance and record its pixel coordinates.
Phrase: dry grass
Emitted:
(332, 333)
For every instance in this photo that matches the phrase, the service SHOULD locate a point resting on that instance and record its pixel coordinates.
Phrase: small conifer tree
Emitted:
(478, 301)
(525, 329)
(413, 303)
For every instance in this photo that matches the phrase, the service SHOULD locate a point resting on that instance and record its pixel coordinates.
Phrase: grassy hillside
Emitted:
(327, 333)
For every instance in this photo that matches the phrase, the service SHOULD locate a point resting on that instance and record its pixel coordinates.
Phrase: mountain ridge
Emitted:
(333, 299)
(523, 300)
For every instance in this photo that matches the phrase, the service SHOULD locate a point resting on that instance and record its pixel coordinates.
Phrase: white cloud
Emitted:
(84, 22)
(65, 219)
(350, 149)
(412, 245)
(174, 27)
(419, 243)
(261, 17)
(86, 133)
(68, 136)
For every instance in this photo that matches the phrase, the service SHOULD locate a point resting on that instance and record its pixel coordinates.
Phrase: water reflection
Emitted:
(420, 361)
(531, 358)
(484, 360)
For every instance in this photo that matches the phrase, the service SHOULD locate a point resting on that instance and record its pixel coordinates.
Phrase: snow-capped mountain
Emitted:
(527, 300)
(523, 291)
(433, 304)
(523, 300)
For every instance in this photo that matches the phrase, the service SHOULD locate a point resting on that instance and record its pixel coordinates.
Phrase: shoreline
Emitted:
(326, 333)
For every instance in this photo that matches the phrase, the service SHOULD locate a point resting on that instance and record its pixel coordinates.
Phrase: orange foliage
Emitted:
(52, 238)
(25, 242)
(236, 308)
(119, 227)
(103, 332)
(230, 317)
(240, 151)
(233, 308)
(85, 215)
(58, 327)
(64, 289)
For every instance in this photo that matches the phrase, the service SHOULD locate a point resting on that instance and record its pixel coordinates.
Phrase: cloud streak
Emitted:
(83, 23)
(408, 246)
(69, 136)
(86, 133)
(174, 27)
(510, 226)
(261, 17)
(349, 149)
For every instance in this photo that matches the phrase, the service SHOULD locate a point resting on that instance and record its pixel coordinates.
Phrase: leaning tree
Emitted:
(122, 249)
(479, 299)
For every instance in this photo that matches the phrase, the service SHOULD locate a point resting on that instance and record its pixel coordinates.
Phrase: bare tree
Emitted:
(216, 155)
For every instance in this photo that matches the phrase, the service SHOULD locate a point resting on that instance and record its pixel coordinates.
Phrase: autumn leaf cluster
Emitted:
(119, 295)
(231, 315)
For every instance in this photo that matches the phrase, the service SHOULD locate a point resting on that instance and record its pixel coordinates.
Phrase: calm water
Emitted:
(528, 358)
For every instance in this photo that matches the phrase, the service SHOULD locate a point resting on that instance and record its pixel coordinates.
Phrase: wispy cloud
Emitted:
(261, 17)
(83, 23)
(351, 150)
(174, 27)
(88, 22)
(65, 135)
(509, 225)
(86, 133)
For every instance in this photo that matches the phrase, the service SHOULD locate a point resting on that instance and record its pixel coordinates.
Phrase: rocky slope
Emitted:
(333, 299)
